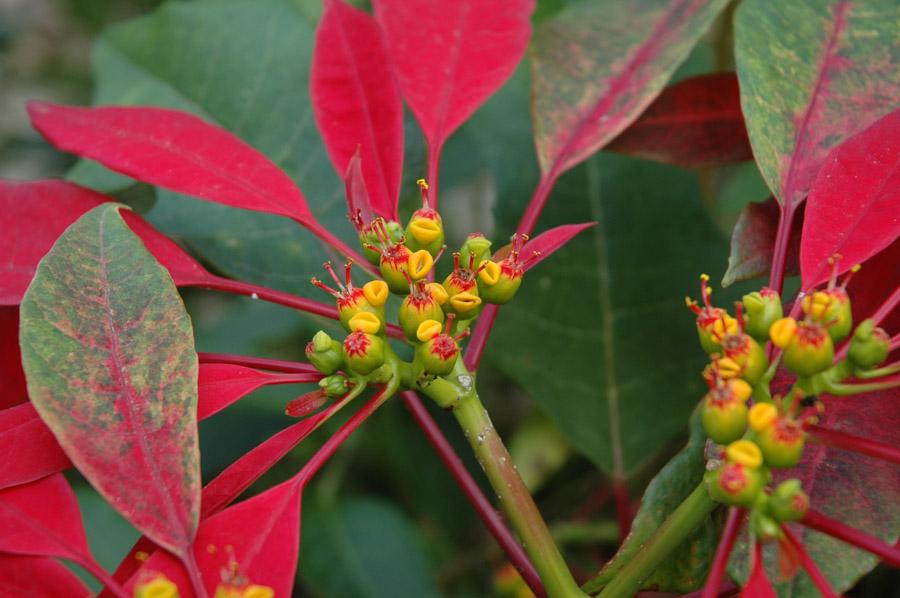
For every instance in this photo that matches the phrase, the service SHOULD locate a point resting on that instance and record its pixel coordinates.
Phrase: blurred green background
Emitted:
(384, 518)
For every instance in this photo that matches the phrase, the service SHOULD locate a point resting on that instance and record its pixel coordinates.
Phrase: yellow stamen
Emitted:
(740, 389)
(376, 292)
(255, 591)
(424, 230)
(422, 183)
(465, 301)
(744, 452)
(762, 416)
(160, 587)
(729, 368)
(704, 277)
(782, 331)
(490, 274)
(365, 321)
(419, 264)
(437, 291)
(427, 330)
(816, 305)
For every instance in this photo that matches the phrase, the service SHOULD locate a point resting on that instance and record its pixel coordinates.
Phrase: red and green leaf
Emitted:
(108, 351)
(33, 214)
(853, 205)
(356, 101)
(596, 66)
(696, 123)
(753, 243)
(449, 57)
(180, 152)
(812, 74)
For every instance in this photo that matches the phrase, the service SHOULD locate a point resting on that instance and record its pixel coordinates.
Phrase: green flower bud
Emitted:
(476, 244)
(335, 386)
(372, 234)
(498, 283)
(735, 484)
(788, 501)
(809, 349)
(394, 266)
(324, 353)
(462, 291)
(831, 308)
(363, 352)
(869, 346)
(762, 309)
(764, 527)
(724, 412)
(779, 437)
(351, 300)
(437, 353)
(420, 305)
(713, 323)
(747, 354)
(425, 231)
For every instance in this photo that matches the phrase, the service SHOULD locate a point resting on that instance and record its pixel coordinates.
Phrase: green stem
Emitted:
(844, 390)
(667, 538)
(887, 370)
(457, 392)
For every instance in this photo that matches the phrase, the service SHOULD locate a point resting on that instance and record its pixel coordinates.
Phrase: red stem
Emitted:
(478, 341)
(895, 343)
(239, 287)
(623, 507)
(782, 242)
(726, 545)
(810, 565)
(111, 586)
(817, 521)
(274, 365)
(887, 307)
(470, 488)
(842, 440)
(193, 570)
(538, 200)
(434, 163)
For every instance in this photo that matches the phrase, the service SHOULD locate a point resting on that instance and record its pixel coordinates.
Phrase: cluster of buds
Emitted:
(233, 585)
(754, 431)
(433, 316)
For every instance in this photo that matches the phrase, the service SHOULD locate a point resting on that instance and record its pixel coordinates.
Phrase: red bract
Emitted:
(449, 57)
(220, 385)
(758, 585)
(28, 449)
(38, 576)
(853, 205)
(180, 152)
(356, 102)
(12, 378)
(697, 123)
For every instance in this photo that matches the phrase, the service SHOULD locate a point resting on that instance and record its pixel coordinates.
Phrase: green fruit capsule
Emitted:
(810, 349)
(478, 245)
(735, 484)
(713, 323)
(336, 385)
(831, 308)
(325, 353)
(761, 309)
(498, 283)
(437, 353)
(869, 346)
(747, 354)
(425, 231)
(788, 501)
(363, 352)
(393, 266)
(724, 412)
(420, 305)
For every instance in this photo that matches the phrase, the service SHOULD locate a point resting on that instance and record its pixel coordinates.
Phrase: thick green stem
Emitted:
(458, 393)
(667, 538)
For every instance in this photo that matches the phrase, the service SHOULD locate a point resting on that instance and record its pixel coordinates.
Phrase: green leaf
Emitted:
(364, 547)
(599, 335)
(812, 73)
(686, 570)
(108, 351)
(243, 64)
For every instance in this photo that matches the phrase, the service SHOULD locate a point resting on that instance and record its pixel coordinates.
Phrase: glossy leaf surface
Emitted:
(42, 519)
(853, 208)
(356, 101)
(696, 123)
(33, 214)
(812, 74)
(753, 243)
(38, 577)
(109, 354)
(597, 65)
(583, 336)
(451, 56)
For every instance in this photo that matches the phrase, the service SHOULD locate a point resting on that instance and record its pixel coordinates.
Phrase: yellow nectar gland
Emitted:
(437, 291)
(257, 591)
(817, 305)
(783, 331)
(744, 452)
(740, 389)
(159, 587)
(728, 368)
(365, 321)
(419, 264)
(376, 292)
(424, 230)
(723, 326)
(465, 301)
(762, 416)
(427, 330)
(489, 272)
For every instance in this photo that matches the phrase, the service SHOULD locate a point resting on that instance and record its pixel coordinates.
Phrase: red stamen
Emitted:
(810, 565)
(440, 253)
(324, 287)
(463, 334)
(449, 323)
(334, 276)
(692, 305)
(481, 267)
(528, 262)
(471, 261)
(705, 291)
(739, 315)
(817, 521)
(456, 261)
(423, 190)
(348, 269)
(857, 444)
(834, 260)
(723, 552)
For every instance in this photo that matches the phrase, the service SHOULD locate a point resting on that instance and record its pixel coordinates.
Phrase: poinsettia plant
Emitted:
(793, 453)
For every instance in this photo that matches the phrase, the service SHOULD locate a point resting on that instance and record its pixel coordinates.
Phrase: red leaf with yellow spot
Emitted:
(853, 208)
(108, 351)
(356, 101)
